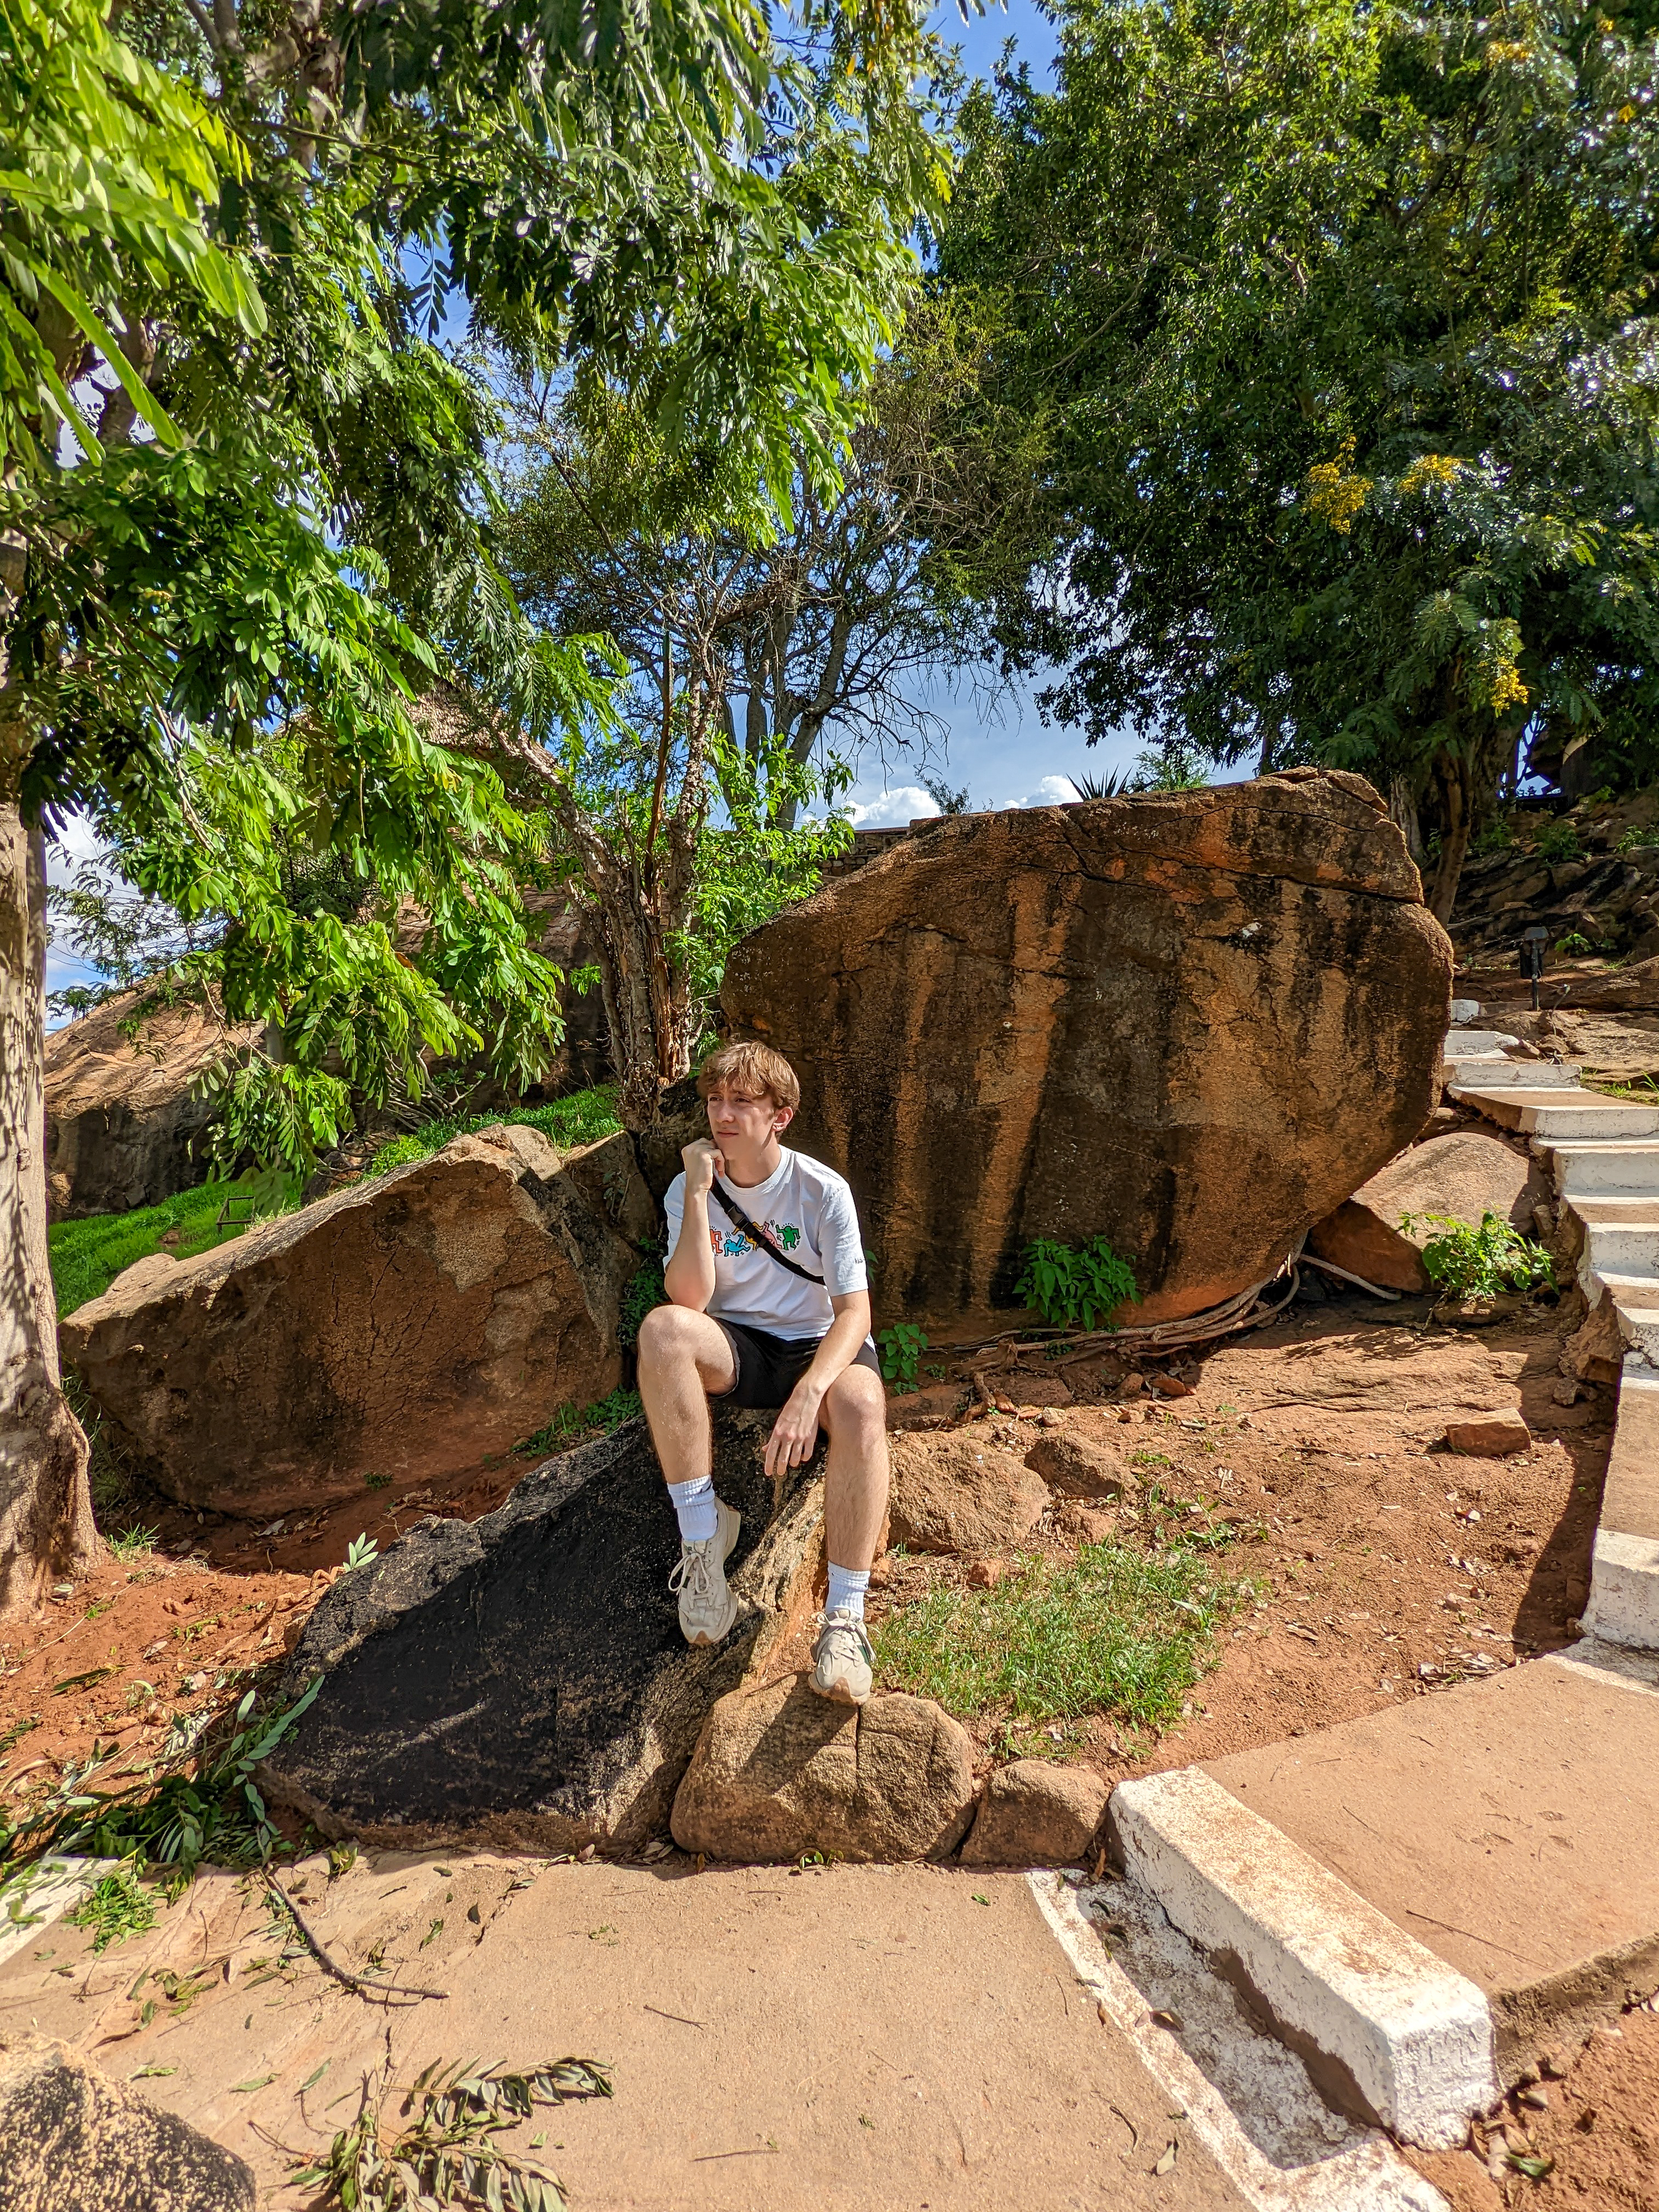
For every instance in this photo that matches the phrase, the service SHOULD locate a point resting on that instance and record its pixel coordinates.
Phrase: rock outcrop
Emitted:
(961, 1494)
(122, 1115)
(1193, 1022)
(74, 2140)
(402, 1328)
(1464, 1177)
(521, 1681)
(780, 1771)
(1034, 1813)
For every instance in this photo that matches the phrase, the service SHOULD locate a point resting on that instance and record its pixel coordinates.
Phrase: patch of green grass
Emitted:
(88, 1256)
(582, 1118)
(643, 1293)
(1114, 1630)
(571, 1422)
(116, 1907)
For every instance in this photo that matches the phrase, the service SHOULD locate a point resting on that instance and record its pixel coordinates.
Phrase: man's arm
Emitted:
(689, 1277)
(795, 1433)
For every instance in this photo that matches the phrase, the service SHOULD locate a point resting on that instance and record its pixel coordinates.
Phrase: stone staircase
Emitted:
(1423, 1900)
(1602, 1158)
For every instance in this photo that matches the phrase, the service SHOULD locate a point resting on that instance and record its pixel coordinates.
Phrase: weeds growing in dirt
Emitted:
(451, 2153)
(1114, 1630)
(901, 1347)
(1487, 1262)
(571, 1422)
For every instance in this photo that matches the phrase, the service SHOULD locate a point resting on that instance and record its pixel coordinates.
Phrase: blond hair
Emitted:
(754, 1069)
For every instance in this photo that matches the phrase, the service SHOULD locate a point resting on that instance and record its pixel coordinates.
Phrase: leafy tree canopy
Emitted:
(1346, 316)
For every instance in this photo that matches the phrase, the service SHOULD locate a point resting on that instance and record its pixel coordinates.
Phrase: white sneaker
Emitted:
(842, 1660)
(707, 1608)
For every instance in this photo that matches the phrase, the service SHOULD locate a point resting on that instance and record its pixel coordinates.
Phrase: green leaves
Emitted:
(1075, 1286)
(1485, 1262)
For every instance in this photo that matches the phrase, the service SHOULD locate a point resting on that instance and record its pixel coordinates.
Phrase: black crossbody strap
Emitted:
(757, 1234)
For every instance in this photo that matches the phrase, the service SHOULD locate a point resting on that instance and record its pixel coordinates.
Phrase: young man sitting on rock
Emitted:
(769, 1305)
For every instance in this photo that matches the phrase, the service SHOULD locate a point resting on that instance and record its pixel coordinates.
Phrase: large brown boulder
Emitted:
(122, 1113)
(402, 1328)
(1192, 1022)
(521, 1681)
(1463, 1176)
(73, 2141)
(779, 1770)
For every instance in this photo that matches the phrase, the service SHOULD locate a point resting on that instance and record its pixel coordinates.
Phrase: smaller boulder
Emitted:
(1463, 1175)
(1077, 1466)
(74, 2140)
(1491, 1436)
(1035, 1814)
(957, 1493)
(1082, 1525)
(779, 1770)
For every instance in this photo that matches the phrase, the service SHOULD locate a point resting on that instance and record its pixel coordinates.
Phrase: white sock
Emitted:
(695, 1505)
(846, 1589)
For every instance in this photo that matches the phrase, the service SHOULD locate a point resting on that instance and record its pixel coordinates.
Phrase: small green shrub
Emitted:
(1575, 944)
(1637, 839)
(643, 1293)
(1487, 1262)
(1557, 843)
(1075, 1286)
(1497, 835)
(571, 1422)
(900, 1348)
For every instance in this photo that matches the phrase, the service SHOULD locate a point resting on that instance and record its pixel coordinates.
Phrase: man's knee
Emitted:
(857, 1406)
(667, 1338)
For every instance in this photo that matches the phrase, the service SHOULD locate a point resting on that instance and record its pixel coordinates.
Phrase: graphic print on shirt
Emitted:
(734, 1242)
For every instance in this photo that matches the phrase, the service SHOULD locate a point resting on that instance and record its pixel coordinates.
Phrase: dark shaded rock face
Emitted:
(74, 2141)
(1193, 1023)
(122, 1115)
(521, 1680)
(403, 1327)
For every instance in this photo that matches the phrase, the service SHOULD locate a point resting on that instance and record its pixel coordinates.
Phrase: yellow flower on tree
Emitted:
(1429, 469)
(1336, 492)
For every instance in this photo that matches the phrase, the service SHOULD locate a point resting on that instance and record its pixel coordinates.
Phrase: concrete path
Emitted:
(849, 2039)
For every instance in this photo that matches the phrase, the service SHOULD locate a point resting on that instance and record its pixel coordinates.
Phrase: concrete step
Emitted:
(1615, 1168)
(1495, 1070)
(1636, 1301)
(1623, 1601)
(1463, 1044)
(1425, 1899)
(1543, 1112)
(1627, 1249)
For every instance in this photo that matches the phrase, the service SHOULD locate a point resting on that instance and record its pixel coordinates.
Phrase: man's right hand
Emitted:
(704, 1160)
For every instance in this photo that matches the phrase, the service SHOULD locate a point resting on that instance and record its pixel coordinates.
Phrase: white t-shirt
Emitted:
(808, 1211)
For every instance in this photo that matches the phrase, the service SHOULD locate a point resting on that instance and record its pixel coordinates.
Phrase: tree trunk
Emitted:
(1453, 779)
(46, 1505)
(647, 1010)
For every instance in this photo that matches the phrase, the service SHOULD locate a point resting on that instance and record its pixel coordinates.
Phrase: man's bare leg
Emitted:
(684, 1356)
(855, 1474)
(684, 1361)
(854, 1412)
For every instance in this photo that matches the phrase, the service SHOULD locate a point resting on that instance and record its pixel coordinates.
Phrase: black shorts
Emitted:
(769, 1367)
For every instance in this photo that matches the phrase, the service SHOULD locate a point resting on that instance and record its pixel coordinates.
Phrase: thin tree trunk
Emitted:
(46, 1505)
(1454, 778)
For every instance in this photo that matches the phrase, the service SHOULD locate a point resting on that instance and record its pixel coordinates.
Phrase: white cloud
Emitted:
(892, 809)
(1052, 791)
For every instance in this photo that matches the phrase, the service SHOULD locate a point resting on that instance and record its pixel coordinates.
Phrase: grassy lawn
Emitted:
(1112, 1630)
(88, 1256)
(582, 1118)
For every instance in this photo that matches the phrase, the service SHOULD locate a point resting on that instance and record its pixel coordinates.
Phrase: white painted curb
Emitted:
(1367, 2175)
(1341, 1982)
